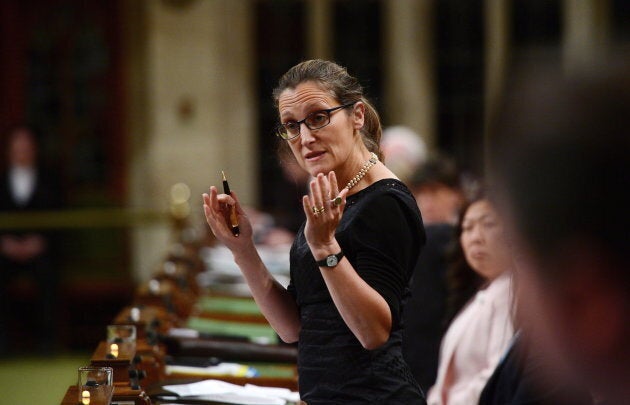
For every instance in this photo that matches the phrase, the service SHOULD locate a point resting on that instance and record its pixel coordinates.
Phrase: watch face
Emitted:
(332, 260)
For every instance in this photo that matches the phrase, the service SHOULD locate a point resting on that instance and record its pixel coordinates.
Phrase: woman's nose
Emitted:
(476, 234)
(306, 134)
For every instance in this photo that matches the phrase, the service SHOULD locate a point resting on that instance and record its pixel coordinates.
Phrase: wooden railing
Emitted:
(82, 218)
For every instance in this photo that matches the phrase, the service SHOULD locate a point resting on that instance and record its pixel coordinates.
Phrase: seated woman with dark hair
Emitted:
(482, 328)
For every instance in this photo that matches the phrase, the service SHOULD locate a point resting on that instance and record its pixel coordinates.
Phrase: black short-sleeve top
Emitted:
(381, 234)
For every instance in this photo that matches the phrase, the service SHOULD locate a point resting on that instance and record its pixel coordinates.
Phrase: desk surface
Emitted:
(228, 309)
(231, 305)
(232, 316)
(252, 331)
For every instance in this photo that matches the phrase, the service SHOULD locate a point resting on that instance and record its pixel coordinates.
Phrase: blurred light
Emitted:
(180, 193)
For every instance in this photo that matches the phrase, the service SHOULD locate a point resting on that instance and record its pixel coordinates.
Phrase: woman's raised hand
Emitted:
(323, 208)
(217, 208)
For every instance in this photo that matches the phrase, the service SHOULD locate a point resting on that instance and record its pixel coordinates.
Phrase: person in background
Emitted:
(518, 380)
(560, 158)
(436, 185)
(481, 330)
(404, 151)
(351, 260)
(439, 196)
(26, 186)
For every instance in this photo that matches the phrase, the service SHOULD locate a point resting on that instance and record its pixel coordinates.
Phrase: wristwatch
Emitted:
(331, 260)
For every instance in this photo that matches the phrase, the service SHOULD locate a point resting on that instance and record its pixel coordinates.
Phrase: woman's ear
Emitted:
(358, 115)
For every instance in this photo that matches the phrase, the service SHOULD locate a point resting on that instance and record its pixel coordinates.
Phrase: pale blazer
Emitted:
(473, 345)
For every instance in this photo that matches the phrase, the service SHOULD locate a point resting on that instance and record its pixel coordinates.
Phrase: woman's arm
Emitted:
(274, 301)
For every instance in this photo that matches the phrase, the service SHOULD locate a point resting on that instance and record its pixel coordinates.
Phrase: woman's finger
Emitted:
(214, 202)
(210, 216)
(324, 187)
(308, 208)
(237, 202)
(335, 199)
(218, 206)
(317, 199)
(342, 198)
(334, 188)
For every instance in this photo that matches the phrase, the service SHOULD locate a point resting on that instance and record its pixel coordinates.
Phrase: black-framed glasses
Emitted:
(315, 120)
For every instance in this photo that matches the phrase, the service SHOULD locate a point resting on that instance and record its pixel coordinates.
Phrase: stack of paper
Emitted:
(215, 390)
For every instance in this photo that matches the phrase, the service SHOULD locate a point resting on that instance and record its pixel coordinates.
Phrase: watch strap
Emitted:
(331, 260)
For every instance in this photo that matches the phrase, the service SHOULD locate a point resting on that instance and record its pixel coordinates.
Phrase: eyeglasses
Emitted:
(315, 120)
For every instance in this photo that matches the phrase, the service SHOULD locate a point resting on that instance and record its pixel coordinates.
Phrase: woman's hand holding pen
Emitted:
(217, 208)
(323, 214)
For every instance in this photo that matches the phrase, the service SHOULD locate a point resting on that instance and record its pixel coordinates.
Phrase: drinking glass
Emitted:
(94, 383)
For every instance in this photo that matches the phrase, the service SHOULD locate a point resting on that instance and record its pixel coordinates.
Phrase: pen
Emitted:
(233, 218)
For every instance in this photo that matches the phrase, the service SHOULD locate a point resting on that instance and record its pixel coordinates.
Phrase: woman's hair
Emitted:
(343, 87)
(462, 282)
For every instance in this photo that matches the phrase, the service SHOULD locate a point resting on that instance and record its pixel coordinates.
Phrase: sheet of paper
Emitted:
(242, 399)
(249, 394)
(205, 387)
(231, 369)
(278, 392)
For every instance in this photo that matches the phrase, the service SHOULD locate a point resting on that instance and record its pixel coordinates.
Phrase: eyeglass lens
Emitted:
(315, 120)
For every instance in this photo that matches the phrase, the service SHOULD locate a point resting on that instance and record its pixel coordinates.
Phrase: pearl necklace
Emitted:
(367, 166)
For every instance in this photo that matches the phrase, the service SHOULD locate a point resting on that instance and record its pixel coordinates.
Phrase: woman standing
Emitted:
(480, 333)
(352, 260)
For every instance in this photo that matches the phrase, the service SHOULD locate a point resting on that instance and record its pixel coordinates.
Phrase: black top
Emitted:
(381, 234)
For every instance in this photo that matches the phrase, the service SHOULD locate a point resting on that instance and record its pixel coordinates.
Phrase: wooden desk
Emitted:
(125, 395)
(165, 294)
(237, 317)
(151, 361)
(228, 309)
(180, 274)
(150, 318)
(120, 364)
